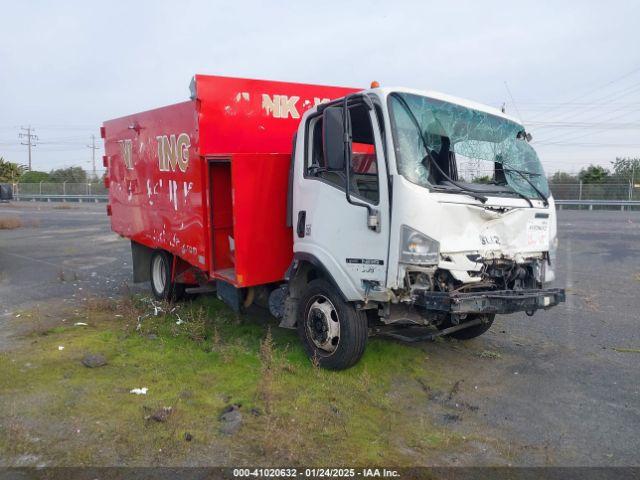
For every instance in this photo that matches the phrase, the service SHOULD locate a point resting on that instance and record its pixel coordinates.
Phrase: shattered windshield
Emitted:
(465, 145)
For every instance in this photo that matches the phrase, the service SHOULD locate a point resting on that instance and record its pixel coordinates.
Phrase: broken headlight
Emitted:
(418, 249)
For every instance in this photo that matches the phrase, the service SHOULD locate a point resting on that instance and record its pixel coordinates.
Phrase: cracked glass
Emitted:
(471, 146)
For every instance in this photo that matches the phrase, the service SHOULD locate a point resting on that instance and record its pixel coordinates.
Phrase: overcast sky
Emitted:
(573, 68)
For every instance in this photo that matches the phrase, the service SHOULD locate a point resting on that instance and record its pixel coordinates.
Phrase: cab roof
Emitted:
(385, 91)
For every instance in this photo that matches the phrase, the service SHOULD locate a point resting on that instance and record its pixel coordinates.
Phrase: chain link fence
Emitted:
(64, 188)
(590, 191)
(56, 192)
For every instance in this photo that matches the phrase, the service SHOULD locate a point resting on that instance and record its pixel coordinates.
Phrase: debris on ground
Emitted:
(80, 324)
(139, 391)
(60, 347)
(455, 389)
(155, 309)
(451, 417)
(231, 420)
(160, 415)
(188, 437)
(94, 360)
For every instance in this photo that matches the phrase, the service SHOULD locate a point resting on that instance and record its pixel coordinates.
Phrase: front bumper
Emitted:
(497, 301)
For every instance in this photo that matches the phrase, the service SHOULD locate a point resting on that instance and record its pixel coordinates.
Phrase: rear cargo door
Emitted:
(331, 229)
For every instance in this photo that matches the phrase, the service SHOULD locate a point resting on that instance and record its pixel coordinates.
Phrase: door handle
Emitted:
(302, 217)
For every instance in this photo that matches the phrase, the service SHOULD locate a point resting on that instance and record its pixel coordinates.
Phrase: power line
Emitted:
(612, 96)
(574, 137)
(609, 126)
(506, 85)
(599, 87)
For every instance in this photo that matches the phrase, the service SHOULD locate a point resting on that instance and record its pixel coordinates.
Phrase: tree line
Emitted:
(13, 173)
(623, 170)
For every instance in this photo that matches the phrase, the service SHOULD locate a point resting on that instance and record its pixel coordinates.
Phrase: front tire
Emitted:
(333, 333)
(162, 287)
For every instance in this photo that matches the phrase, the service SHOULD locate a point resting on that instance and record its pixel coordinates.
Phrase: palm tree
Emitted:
(9, 171)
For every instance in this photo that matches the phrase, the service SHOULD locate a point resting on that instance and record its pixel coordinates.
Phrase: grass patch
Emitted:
(10, 223)
(626, 350)
(196, 360)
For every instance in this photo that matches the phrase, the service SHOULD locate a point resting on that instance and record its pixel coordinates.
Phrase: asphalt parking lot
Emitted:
(567, 386)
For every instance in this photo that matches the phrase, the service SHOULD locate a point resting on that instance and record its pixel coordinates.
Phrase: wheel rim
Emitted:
(323, 324)
(159, 274)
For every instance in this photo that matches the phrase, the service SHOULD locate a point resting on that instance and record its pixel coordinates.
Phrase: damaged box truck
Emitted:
(347, 212)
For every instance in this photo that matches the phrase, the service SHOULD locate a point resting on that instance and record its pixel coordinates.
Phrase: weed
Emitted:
(266, 362)
(216, 339)
(67, 276)
(194, 325)
(101, 305)
(626, 350)
(489, 354)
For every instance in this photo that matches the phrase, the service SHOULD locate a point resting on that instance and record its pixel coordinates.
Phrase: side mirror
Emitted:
(333, 135)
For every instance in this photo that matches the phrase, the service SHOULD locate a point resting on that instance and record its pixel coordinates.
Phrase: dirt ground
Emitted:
(560, 388)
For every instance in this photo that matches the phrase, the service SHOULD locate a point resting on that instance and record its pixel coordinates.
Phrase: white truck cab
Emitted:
(413, 208)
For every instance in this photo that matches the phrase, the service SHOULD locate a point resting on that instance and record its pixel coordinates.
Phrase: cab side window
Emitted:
(363, 165)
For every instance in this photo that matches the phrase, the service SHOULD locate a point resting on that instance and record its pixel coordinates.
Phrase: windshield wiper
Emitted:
(472, 193)
(544, 199)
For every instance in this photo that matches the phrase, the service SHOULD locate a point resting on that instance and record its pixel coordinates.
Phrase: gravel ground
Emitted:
(559, 386)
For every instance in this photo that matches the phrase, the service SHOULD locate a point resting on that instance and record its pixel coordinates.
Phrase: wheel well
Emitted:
(303, 274)
(300, 274)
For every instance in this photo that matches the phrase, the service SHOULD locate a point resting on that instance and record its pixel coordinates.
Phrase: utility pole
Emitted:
(633, 178)
(30, 138)
(93, 155)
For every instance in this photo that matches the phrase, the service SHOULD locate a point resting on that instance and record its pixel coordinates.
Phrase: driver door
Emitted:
(329, 227)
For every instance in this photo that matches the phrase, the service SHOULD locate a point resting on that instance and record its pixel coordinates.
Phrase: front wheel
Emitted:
(162, 287)
(471, 332)
(333, 332)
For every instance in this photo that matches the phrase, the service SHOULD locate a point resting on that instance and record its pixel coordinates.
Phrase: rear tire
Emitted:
(471, 332)
(160, 274)
(333, 333)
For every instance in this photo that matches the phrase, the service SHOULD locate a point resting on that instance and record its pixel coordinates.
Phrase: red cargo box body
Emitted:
(207, 179)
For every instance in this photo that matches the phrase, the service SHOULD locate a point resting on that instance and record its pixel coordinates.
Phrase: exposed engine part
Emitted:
(420, 279)
(496, 274)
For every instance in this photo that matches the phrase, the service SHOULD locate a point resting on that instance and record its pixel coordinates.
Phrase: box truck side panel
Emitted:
(254, 116)
(157, 181)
